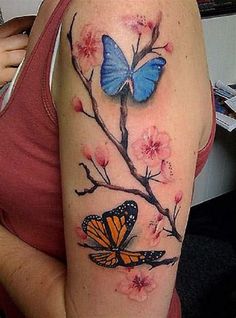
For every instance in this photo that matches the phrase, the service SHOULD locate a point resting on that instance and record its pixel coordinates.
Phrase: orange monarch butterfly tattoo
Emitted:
(110, 235)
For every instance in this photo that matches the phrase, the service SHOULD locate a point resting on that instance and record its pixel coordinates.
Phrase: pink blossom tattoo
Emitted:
(102, 156)
(166, 172)
(99, 159)
(138, 24)
(87, 152)
(88, 49)
(81, 235)
(109, 235)
(137, 284)
(155, 230)
(77, 104)
(152, 147)
(169, 47)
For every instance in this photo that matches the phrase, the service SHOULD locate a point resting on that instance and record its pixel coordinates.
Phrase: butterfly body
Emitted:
(125, 258)
(116, 72)
(110, 233)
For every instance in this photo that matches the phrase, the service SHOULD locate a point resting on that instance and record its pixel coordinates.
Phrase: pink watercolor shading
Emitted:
(155, 230)
(166, 175)
(77, 104)
(138, 24)
(178, 197)
(87, 152)
(169, 47)
(88, 49)
(153, 147)
(102, 156)
(137, 285)
(80, 233)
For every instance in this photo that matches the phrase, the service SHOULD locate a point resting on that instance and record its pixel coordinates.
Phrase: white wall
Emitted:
(13, 8)
(219, 176)
(220, 41)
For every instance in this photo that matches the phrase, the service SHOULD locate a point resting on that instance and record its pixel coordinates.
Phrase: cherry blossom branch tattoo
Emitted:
(155, 139)
(109, 235)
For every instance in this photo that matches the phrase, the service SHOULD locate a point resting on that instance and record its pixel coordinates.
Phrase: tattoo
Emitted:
(118, 78)
(137, 284)
(109, 235)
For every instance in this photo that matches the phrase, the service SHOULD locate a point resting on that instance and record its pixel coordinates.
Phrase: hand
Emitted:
(13, 44)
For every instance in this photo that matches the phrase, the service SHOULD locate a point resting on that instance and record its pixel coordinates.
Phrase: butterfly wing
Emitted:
(145, 79)
(119, 222)
(94, 227)
(105, 259)
(115, 69)
(131, 259)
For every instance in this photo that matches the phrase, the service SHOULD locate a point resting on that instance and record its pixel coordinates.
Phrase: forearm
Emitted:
(34, 280)
(13, 44)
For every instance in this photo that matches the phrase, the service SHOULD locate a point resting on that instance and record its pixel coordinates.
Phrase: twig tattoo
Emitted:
(109, 235)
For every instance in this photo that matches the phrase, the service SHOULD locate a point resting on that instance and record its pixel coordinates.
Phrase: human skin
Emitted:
(175, 119)
(13, 45)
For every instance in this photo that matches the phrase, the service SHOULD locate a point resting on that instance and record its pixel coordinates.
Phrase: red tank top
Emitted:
(30, 190)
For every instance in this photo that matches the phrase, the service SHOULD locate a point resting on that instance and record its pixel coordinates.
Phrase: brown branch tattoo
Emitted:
(122, 144)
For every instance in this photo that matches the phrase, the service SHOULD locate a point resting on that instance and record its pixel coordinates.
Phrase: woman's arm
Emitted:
(130, 106)
(127, 167)
(34, 280)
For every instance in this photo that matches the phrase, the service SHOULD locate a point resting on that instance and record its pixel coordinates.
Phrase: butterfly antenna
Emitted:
(138, 43)
(133, 49)
(123, 116)
(91, 76)
(146, 173)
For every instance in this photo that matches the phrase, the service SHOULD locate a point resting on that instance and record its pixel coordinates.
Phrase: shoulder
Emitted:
(185, 87)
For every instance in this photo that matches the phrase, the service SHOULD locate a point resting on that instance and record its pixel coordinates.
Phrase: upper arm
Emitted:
(128, 161)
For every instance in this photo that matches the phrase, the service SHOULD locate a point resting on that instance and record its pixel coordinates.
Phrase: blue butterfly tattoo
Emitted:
(116, 73)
